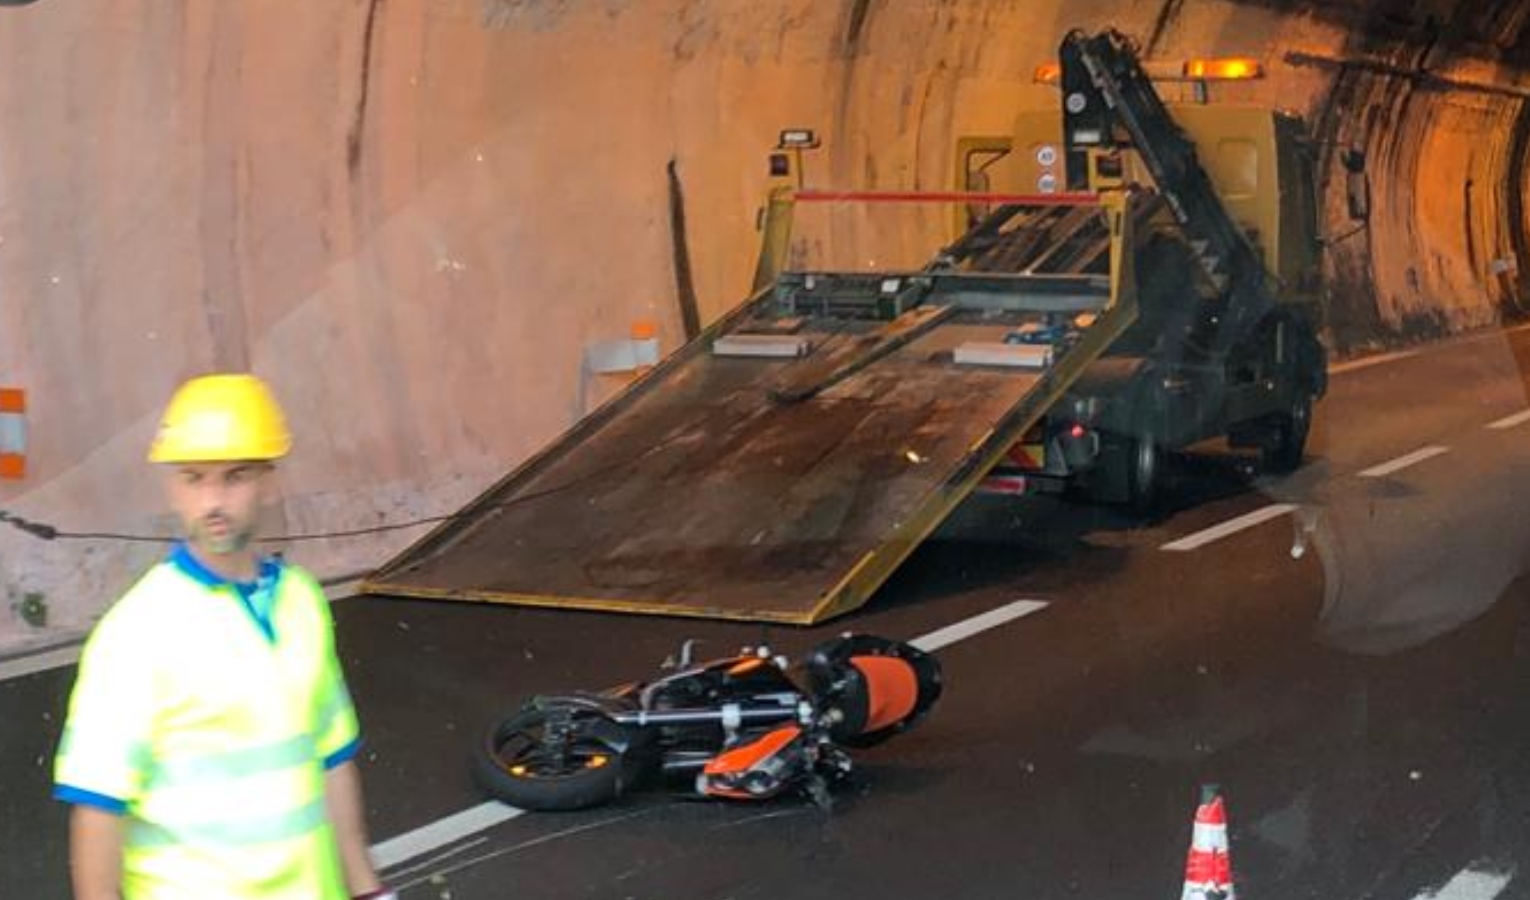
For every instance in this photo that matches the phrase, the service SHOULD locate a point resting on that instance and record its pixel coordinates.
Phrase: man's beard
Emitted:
(233, 540)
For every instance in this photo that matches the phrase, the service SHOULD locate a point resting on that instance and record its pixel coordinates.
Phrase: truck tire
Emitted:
(1146, 450)
(1144, 461)
(1284, 449)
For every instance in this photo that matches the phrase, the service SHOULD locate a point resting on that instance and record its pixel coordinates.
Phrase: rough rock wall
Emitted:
(414, 216)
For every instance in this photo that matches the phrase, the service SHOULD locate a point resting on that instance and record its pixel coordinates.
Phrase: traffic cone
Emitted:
(1208, 871)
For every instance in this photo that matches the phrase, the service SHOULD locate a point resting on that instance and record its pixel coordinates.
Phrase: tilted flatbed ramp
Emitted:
(770, 486)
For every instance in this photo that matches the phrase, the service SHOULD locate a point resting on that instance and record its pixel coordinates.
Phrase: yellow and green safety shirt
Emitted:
(206, 713)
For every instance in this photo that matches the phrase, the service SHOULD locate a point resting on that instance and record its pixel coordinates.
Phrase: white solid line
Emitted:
(1403, 462)
(343, 591)
(978, 624)
(436, 835)
(489, 855)
(1242, 523)
(57, 658)
(420, 864)
(1470, 884)
(388, 853)
(441, 832)
(1365, 362)
(1513, 421)
(39, 662)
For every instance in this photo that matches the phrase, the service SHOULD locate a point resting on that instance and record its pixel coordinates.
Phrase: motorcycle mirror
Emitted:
(684, 662)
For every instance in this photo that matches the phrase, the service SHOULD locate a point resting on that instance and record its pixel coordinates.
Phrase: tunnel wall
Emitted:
(414, 217)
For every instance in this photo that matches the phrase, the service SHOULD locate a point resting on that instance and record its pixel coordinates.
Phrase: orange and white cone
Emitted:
(1208, 871)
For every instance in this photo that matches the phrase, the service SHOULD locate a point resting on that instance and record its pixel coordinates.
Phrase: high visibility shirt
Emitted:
(206, 713)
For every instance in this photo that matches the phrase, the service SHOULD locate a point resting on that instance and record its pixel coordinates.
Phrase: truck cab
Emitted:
(1173, 380)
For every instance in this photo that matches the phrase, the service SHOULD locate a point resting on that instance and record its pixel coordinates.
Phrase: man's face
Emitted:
(219, 502)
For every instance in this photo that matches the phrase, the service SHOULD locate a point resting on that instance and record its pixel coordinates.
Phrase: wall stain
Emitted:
(860, 12)
(356, 133)
(1166, 16)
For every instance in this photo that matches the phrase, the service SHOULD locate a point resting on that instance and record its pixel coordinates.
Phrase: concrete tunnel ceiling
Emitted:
(449, 201)
(1435, 95)
(1432, 93)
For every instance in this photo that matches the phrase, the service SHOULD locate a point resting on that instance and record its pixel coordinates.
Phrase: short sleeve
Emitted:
(105, 753)
(337, 729)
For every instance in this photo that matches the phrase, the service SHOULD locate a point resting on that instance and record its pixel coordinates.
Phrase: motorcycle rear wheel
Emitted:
(518, 764)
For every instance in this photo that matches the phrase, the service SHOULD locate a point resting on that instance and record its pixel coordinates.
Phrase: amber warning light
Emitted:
(1237, 68)
(1230, 69)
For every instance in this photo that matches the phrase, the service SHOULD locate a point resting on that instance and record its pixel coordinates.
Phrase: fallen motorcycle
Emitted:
(748, 727)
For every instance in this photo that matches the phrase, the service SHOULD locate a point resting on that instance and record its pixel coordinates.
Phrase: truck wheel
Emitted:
(1287, 444)
(1144, 474)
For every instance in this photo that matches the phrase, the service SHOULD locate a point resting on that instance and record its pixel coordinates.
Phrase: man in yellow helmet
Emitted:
(208, 752)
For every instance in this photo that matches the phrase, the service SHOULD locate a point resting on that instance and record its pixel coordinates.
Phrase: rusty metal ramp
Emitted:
(781, 466)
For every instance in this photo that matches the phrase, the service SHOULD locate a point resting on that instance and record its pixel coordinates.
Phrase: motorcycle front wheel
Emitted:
(537, 760)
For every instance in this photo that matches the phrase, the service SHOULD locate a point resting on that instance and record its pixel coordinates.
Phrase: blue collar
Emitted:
(256, 597)
(183, 559)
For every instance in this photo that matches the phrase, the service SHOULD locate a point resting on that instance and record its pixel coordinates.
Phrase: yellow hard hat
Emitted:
(221, 418)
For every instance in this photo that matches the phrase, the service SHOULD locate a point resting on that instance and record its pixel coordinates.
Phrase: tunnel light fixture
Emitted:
(798, 139)
(1048, 73)
(1236, 68)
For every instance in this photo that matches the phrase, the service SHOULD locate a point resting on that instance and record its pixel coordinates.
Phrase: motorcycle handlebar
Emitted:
(643, 718)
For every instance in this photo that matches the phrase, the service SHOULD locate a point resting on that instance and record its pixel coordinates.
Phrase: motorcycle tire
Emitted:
(515, 766)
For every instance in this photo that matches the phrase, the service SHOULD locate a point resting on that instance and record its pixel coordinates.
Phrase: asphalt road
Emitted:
(1352, 670)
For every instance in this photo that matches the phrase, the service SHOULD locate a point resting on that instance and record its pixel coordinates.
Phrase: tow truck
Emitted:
(1228, 272)
(1156, 287)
